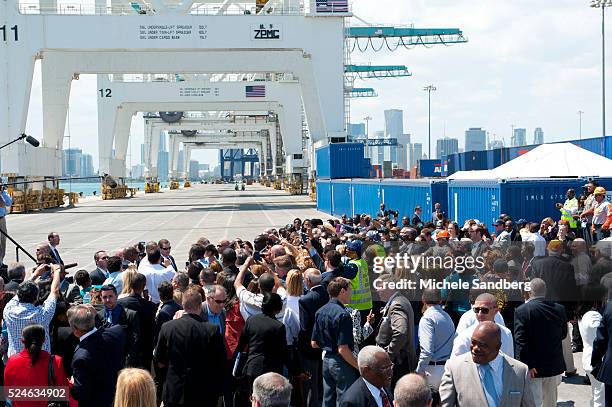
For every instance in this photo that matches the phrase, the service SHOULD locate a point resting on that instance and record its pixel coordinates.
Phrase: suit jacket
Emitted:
(396, 332)
(57, 259)
(560, 281)
(461, 385)
(97, 277)
(173, 262)
(145, 310)
(602, 348)
(267, 345)
(165, 313)
(358, 395)
(95, 366)
(309, 304)
(128, 320)
(539, 328)
(190, 348)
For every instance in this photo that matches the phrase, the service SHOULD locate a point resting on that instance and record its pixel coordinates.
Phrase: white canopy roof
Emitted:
(545, 161)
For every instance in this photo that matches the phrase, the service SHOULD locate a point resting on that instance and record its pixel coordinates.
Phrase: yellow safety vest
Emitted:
(361, 294)
(569, 208)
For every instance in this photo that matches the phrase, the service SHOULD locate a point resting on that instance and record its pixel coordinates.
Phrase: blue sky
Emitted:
(527, 63)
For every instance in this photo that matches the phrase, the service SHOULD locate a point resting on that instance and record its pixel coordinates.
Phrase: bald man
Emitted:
(485, 376)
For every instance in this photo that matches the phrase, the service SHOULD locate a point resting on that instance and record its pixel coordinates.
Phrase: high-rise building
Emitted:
(475, 139)
(357, 130)
(403, 146)
(72, 162)
(181, 161)
(415, 153)
(142, 150)
(446, 146)
(162, 166)
(379, 151)
(394, 123)
(137, 171)
(194, 170)
(538, 136)
(519, 138)
(87, 169)
(204, 167)
(162, 141)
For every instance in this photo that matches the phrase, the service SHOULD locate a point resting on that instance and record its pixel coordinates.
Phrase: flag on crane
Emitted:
(255, 91)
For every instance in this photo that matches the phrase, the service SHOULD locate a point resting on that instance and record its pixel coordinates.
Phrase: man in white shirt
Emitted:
(485, 309)
(156, 272)
(537, 239)
(250, 303)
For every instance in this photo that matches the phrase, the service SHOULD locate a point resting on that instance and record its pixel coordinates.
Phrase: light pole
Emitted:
(603, 4)
(429, 89)
(367, 148)
(580, 113)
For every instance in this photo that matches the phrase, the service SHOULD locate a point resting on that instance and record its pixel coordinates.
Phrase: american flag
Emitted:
(255, 91)
(332, 6)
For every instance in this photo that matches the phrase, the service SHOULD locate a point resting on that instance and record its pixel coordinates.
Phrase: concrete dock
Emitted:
(182, 216)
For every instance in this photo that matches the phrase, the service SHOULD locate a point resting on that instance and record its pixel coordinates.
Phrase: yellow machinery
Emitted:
(278, 184)
(187, 184)
(111, 189)
(151, 185)
(174, 185)
(33, 194)
(313, 190)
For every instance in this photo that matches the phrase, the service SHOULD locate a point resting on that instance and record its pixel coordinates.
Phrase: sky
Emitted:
(526, 63)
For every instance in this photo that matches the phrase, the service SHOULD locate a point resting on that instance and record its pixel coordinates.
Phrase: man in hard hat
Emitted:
(602, 215)
(569, 208)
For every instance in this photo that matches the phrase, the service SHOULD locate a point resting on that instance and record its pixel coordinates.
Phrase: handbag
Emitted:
(51, 383)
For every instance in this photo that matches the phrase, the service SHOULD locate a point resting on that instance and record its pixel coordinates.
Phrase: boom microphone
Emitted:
(32, 141)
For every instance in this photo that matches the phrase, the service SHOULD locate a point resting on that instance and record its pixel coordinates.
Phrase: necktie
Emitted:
(489, 385)
(384, 398)
(59, 259)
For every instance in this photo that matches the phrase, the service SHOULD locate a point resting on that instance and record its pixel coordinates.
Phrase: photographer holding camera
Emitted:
(5, 204)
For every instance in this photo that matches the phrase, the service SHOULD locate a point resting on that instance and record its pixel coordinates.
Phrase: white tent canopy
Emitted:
(546, 161)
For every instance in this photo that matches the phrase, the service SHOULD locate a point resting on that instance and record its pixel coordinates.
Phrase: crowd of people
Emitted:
(300, 315)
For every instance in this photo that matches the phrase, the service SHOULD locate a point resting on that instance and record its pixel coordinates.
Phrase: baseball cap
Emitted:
(354, 245)
(522, 222)
(498, 222)
(443, 234)
(439, 224)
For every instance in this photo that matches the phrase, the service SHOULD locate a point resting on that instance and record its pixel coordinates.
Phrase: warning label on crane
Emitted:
(172, 32)
(193, 91)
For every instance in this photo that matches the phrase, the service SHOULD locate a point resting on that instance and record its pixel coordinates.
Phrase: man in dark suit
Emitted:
(97, 359)
(396, 329)
(54, 241)
(164, 248)
(145, 310)
(561, 288)
(16, 275)
(601, 358)
(115, 314)
(101, 272)
(310, 303)
(189, 347)
(372, 388)
(539, 328)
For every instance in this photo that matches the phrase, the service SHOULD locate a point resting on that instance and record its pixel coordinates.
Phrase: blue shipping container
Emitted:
(367, 196)
(342, 198)
(404, 195)
(340, 160)
(486, 200)
(430, 168)
(474, 161)
(324, 202)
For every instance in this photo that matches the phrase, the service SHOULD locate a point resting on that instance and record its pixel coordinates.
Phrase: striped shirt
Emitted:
(18, 315)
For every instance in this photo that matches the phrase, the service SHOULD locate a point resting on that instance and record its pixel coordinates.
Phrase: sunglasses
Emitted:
(104, 258)
(219, 301)
(166, 248)
(483, 310)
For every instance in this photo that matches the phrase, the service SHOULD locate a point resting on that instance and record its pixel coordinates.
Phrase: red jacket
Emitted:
(234, 324)
(18, 372)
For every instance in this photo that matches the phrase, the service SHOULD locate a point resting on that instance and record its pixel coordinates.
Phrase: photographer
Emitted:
(5, 204)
